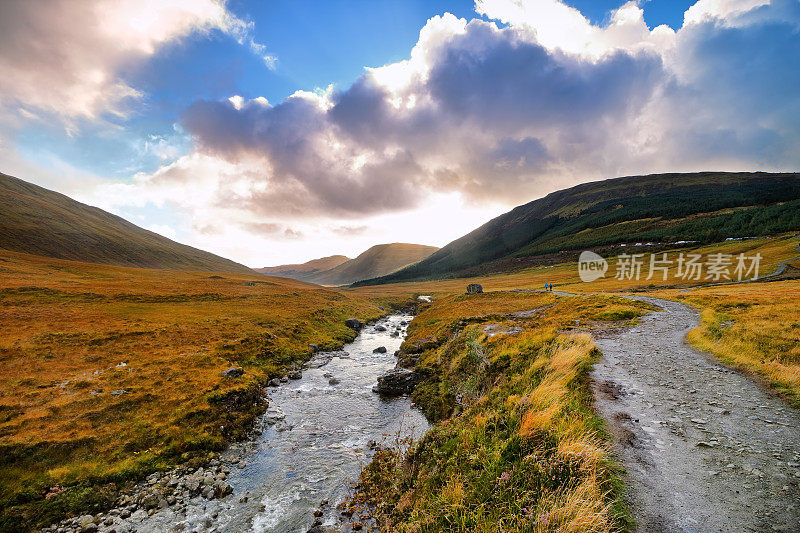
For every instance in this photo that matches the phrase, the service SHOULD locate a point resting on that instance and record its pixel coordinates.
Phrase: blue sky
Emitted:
(317, 43)
(128, 105)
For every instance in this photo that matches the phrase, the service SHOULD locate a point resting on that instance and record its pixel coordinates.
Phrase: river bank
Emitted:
(316, 434)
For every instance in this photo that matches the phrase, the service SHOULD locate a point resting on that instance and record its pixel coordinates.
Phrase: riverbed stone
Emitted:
(353, 323)
(397, 382)
(379, 349)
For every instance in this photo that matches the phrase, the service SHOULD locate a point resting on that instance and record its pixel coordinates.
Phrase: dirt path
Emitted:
(705, 449)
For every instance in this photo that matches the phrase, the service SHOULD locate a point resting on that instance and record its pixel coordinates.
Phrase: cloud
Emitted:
(506, 114)
(486, 114)
(63, 58)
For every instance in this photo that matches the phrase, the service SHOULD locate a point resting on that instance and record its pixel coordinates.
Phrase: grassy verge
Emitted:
(110, 373)
(753, 327)
(516, 446)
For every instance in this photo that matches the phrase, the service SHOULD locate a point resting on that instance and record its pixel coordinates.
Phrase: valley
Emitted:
(548, 410)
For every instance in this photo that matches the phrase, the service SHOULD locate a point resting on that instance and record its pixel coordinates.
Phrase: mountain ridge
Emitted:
(702, 206)
(43, 222)
(378, 260)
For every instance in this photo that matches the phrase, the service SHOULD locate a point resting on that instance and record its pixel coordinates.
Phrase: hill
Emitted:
(38, 221)
(305, 271)
(379, 260)
(703, 207)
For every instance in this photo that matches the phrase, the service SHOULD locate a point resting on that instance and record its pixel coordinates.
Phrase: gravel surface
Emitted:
(705, 449)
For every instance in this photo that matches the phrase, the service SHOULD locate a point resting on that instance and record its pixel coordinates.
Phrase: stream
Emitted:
(315, 438)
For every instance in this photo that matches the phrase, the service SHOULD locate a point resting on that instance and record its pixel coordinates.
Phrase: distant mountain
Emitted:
(305, 271)
(703, 206)
(38, 221)
(377, 261)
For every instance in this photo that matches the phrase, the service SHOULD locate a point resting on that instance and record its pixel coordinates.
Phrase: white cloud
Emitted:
(480, 118)
(63, 57)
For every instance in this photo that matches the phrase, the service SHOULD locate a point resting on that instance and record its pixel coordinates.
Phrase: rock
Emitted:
(89, 528)
(333, 381)
(274, 382)
(380, 328)
(397, 382)
(118, 392)
(313, 347)
(395, 334)
(233, 372)
(474, 288)
(353, 323)
(318, 513)
(379, 349)
(295, 374)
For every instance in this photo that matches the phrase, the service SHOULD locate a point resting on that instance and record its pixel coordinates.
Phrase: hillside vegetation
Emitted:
(38, 221)
(664, 208)
(112, 372)
(379, 260)
(517, 447)
(305, 271)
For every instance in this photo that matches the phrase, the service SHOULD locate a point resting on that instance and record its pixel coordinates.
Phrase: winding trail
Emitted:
(705, 449)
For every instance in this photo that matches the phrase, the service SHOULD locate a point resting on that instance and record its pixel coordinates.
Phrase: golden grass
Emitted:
(73, 335)
(754, 327)
(517, 447)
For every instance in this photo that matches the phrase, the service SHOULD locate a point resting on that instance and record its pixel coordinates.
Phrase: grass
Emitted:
(516, 446)
(754, 328)
(111, 372)
(73, 333)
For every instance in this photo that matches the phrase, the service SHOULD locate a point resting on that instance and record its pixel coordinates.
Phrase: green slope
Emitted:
(704, 206)
(38, 221)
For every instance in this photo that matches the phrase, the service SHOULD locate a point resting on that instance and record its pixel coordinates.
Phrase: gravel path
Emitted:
(705, 449)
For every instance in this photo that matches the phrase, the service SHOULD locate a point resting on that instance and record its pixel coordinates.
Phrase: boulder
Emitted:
(380, 328)
(295, 374)
(397, 382)
(353, 323)
(233, 372)
(274, 382)
(474, 288)
(379, 349)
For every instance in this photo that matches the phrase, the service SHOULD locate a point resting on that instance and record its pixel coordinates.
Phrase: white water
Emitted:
(314, 452)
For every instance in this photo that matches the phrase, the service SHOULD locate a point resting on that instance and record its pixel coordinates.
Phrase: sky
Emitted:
(276, 132)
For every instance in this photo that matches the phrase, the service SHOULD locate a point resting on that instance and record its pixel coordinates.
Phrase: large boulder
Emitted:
(379, 349)
(353, 323)
(474, 288)
(397, 382)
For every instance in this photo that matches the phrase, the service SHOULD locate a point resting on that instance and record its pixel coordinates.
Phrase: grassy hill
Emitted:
(305, 271)
(38, 221)
(664, 208)
(379, 260)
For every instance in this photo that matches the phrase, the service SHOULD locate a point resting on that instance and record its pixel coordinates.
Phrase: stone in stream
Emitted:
(274, 382)
(353, 323)
(295, 374)
(380, 328)
(397, 382)
(379, 349)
